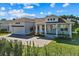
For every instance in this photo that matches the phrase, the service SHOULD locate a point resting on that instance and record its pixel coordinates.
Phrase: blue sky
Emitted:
(37, 10)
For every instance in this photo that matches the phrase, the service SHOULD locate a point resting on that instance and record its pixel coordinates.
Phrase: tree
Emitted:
(76, 25)
(14, 19)
(64, 16)
(69, 16)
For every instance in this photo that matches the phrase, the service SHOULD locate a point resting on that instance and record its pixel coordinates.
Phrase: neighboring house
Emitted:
(50, 26)
(5, 24)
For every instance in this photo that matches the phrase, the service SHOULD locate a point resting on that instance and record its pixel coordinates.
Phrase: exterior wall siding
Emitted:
(28, 26)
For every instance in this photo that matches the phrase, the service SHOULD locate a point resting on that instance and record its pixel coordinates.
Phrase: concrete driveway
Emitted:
(38, 41)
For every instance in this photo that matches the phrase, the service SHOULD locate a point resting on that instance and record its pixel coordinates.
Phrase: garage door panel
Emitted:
(18, 30)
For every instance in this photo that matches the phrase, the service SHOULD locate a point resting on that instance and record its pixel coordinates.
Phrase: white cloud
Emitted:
(59, 11)
(12, 4)
(26, 14)
(52, 4)
(2, 13)
(36, 4)
(41, 13)
(20, 13)
(30, 5)
(2, 8)
(15, 12)
(49, 13)
(65, 5)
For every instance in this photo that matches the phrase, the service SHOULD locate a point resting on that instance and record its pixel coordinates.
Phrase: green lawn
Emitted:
(62, 47)
(2, 34)
(56, 48)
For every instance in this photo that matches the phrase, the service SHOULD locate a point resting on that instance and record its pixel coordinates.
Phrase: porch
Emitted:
(53, 29)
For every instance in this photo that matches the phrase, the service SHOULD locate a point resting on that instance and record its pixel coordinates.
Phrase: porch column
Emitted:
(40, 27)
(56, 30)
(70, 30)
(36, 30)
(45, 32)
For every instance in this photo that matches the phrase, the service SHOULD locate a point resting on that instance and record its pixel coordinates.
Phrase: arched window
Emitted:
(48, 19)
(53, 18)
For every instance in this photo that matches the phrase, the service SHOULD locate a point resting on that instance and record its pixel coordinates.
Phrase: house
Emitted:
(50, 26)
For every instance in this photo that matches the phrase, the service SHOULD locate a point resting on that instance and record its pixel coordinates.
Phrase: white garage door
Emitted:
(18, 30)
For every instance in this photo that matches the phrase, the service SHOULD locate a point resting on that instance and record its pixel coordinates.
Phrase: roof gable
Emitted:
(59, 19)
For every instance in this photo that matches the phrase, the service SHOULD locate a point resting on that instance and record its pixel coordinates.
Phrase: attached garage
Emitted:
(18, 30)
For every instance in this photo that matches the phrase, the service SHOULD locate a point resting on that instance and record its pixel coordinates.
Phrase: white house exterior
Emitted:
(50, 26)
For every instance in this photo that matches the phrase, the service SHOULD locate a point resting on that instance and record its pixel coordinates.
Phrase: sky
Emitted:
(37, 10)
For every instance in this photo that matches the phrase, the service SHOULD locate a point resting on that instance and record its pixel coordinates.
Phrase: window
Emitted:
(62, 29)
(48, 19)
(66, 29)
(17, 22)
(53, 18)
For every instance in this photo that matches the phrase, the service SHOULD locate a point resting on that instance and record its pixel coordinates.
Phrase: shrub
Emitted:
(64, 36)
(35, 50)
(28, 49)
(3, 30)
(46, 51)
(15, 48)
(63, 39)
(8, 48)
(20, 48)
(77, 30)
(40, 35)
(2, 46)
